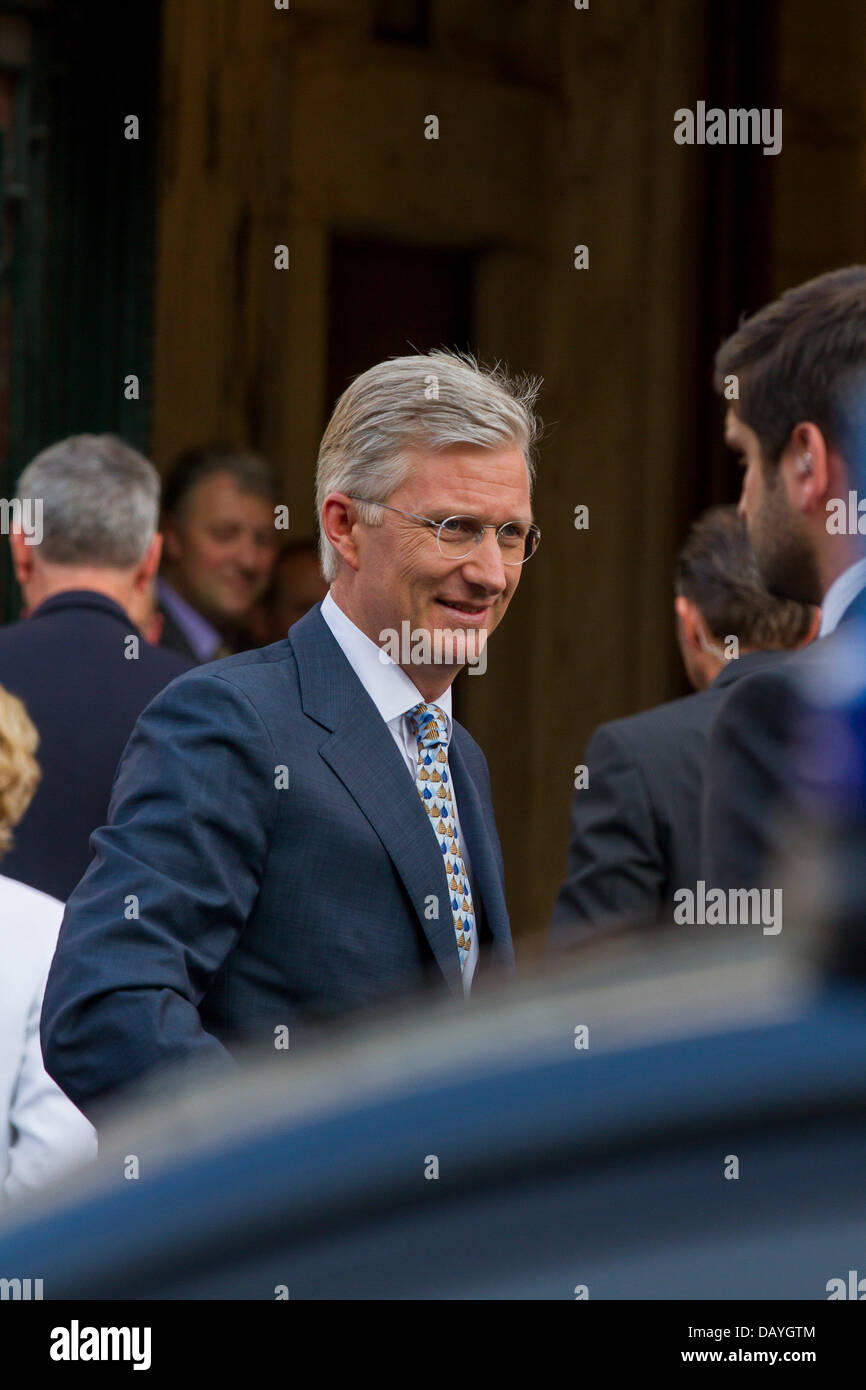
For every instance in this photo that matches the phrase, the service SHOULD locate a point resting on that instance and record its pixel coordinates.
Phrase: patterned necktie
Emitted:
(434, 788)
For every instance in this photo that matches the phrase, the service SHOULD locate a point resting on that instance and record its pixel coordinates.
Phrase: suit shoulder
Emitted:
(755, 690)
(165, 663)
(663, 722)
(263, 675)
(14, 635)
(31, 919)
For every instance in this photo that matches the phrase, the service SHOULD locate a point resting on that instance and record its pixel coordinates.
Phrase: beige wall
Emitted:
(556, 128)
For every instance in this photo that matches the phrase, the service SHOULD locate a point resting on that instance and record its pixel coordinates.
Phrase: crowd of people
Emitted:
(247, 818)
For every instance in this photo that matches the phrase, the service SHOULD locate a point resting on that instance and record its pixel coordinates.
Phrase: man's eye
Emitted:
(459, 526)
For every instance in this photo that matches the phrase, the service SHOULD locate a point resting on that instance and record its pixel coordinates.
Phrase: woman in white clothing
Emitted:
(41, 1132)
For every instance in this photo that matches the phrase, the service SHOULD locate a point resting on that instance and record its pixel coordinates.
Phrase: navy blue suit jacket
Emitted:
(222, 903)
(751, 786)
(68, 662)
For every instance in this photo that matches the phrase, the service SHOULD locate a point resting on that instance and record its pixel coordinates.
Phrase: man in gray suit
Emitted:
(304, 829)
(635, 824)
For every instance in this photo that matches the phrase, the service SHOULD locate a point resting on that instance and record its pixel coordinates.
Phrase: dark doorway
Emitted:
(388, 299)
(76, 226)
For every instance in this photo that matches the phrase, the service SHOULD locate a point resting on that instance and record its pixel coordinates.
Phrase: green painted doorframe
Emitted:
(77, 199)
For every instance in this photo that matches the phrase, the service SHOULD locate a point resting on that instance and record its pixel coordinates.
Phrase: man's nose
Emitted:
(247, 553)
(485, 565)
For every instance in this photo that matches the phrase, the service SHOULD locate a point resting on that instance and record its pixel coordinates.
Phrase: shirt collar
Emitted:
(80, 598)
(840, 595)
(201, 635)
(387, 684)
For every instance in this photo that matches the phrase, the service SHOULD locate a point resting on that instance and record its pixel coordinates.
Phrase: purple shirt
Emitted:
(201, 635)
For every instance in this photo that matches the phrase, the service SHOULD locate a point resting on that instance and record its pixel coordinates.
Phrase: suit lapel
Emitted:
(362, 753)
(485, 867)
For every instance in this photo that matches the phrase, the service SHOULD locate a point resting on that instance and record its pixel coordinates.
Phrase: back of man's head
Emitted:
(99, 501)
(802, 357)
(717, 575)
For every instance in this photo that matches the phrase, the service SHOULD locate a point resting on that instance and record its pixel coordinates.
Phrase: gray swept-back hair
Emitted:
(100, 501)
(429, 401)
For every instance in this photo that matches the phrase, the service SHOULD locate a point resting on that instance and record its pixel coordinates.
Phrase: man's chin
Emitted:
(230, 614)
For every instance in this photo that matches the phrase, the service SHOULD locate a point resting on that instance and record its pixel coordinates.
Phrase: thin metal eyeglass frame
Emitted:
(479, 535)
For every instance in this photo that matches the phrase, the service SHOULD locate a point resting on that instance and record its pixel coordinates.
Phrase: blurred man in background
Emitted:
(220, 547)
(305, 828)
(41, 1131)
(297, 586)
(635, 824)
(78, 662)
(798, 428)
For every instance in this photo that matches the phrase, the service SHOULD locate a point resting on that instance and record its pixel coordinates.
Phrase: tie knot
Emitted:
(429, 724)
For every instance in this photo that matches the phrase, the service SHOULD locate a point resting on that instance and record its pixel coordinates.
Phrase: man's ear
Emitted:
(150, 564)
(340, 523)
(23, 558)
(689, 620)
(172, 546)
(806, 464)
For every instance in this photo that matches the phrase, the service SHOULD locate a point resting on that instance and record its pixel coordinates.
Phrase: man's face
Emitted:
(402, 574)
(777, 531)
(221, 548)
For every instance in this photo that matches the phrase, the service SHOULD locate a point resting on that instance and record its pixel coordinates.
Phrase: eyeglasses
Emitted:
(457, 536)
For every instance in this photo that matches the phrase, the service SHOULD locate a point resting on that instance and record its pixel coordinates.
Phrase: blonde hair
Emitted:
(19, 770)
(429, 401)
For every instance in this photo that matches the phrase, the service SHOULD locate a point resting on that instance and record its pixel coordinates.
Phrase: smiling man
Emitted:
(304, 829)
(219, 549)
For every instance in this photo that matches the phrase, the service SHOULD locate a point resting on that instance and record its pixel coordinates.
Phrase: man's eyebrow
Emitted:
(432, 514)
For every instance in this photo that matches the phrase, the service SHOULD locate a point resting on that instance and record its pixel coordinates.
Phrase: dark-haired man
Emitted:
(219, 549)
(798, 429)
(635, 821)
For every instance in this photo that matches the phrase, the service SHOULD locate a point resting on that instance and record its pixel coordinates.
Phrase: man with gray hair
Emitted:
(84, 546)
(304, 828)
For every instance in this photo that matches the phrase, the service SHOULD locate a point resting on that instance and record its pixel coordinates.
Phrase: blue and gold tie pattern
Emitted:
(434, 788)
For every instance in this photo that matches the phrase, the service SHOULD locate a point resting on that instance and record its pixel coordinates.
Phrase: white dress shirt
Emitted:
(840, 595)
(394, 695)
(41, 1132)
